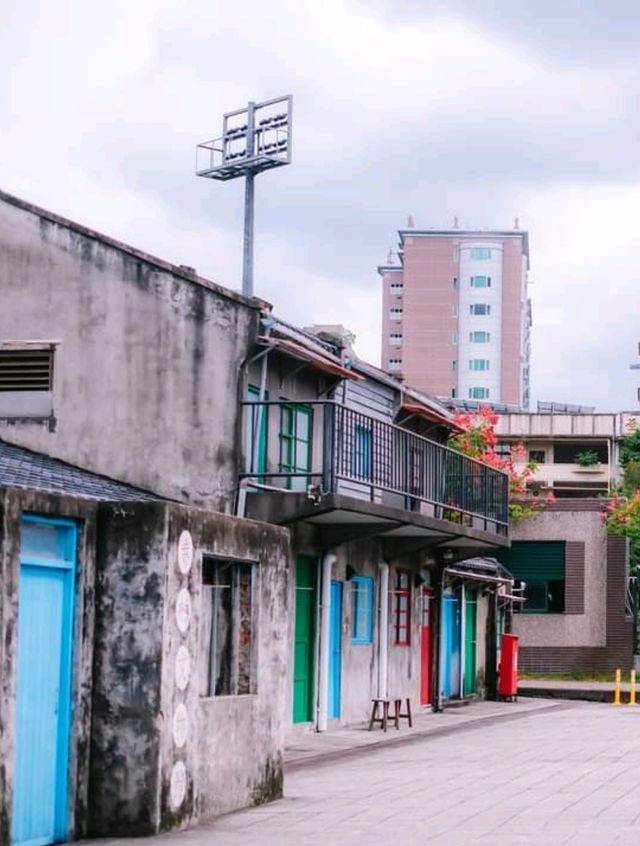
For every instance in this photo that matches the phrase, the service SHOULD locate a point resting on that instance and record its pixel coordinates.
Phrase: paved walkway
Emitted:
(564, 775)
(307, 747)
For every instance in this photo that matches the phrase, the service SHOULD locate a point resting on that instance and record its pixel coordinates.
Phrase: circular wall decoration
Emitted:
(183, 610)
(185, 552)
(180, 726)
(182, 668)
(178, 788)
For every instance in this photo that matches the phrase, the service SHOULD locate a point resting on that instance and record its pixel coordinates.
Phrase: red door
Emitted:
(425, 645)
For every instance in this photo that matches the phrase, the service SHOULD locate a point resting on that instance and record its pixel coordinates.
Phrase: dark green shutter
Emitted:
(535, 560)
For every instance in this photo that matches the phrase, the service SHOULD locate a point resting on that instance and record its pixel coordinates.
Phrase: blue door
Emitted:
(456, 643)
(335, 649)
(446, 643)
(43, 697)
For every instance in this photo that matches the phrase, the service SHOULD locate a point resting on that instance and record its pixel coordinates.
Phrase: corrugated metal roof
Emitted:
(23, 468)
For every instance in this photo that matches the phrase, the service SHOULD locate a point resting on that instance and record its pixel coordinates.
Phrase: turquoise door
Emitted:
(43, 697)
(446, 643)
(335, 649)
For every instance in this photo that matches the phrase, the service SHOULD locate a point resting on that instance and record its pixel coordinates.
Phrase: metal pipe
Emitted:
(383, 631)
(323, 673)
(247, 247)
(257, 429)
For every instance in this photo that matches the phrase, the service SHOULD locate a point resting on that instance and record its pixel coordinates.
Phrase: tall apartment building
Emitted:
(456, 317)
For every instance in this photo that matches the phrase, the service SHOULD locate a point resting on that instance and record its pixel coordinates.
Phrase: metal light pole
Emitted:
(254, 139)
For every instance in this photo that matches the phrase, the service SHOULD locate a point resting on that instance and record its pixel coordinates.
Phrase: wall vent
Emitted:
(26, 370)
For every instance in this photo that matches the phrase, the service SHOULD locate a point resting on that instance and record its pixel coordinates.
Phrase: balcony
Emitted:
(355, 475)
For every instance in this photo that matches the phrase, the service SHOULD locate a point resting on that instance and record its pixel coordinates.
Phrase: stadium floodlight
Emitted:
(254, 139)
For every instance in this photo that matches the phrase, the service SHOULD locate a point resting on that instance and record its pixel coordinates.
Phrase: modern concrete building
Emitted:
(456, 315)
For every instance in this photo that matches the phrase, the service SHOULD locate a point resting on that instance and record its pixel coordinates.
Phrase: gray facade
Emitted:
(146, 360)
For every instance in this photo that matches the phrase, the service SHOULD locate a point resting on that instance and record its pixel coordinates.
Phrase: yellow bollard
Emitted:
(632, 693)
(616, 695)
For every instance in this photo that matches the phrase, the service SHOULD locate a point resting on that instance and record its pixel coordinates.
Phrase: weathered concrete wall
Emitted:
(13, 503)
(150, 354)
(569, 630)
(149, 775)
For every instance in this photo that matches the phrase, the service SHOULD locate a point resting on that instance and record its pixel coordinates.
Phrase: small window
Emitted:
(480, 253)
(479, 364)
(395, 362)
(453, 393)
(480, 281)
(454, 336)
(455, 281)
(395, 339)
(537, 455)
(454, 365)
(227, 628)
(402, 608)
(396, 313)
(361, 609)
(479, 337)
(397, 288)
(478, 393)
(503, 450)
(480, 308)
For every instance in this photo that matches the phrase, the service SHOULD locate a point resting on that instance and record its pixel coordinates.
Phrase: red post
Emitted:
(508, 683)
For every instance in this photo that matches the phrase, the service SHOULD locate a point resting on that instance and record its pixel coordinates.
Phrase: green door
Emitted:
(304, 641)
(471, 618)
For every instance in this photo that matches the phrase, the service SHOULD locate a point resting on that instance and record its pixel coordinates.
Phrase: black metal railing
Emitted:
(340, 450)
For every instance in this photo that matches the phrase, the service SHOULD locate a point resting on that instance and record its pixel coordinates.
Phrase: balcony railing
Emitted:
(326, 447)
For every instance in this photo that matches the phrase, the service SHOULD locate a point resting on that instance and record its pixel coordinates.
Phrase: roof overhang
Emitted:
(431, 415)
(316, 359)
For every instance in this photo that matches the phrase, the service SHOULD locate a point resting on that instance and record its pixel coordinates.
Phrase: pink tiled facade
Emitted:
(426, 286)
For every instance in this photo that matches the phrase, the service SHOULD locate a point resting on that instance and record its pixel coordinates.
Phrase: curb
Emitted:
(421, 734)
(580, 694)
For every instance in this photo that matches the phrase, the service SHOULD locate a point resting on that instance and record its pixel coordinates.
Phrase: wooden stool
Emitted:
(382, 703)
(397, 711)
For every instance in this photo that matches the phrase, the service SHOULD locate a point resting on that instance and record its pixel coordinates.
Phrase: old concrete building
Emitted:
(99, 337)
(144, 659)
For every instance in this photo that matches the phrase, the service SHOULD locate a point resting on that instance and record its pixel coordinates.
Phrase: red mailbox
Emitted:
(508, 682)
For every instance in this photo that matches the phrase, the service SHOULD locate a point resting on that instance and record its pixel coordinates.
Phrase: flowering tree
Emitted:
(621, 516)
(479, 441)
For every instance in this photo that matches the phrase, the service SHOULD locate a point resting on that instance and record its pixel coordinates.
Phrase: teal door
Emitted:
(304, 639)
(43, 697)
(335, 650)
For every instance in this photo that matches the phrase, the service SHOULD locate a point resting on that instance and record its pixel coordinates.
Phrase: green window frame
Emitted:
(542, 566)
(478, 393)
(480, 253)
(479, 337)
(479, 364)
(362, 609)
(256, 416)
(296, 444)
(480, 281)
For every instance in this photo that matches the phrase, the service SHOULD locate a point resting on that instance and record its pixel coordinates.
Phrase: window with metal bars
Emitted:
(26, 370)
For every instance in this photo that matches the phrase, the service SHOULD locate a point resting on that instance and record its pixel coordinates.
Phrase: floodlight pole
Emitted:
(249, 208)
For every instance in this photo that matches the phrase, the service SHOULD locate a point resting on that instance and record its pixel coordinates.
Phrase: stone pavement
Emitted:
(587, 691)
(306, 747)
(558, 776)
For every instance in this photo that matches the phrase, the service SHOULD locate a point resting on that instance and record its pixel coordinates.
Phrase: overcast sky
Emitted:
(484, 110)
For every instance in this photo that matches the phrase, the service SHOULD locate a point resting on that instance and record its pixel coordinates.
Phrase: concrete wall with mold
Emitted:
(13, 504)
(147, 775)
(150, 352)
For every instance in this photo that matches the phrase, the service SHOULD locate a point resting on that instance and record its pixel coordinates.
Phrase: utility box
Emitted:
(508, 672)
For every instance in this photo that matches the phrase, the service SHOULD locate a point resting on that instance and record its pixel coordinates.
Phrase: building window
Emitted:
(479, 364)
(227, 627)
(567, 452)
(504, 450)
(480, 253)
(396, 313)
(455, 281)
(296, 427)
(480, 308)
(361, 609)
(26, 380)
(397, 288)
(402, 608)
(361, 452)
(478, 393)
(541, 565)
(537, 455)
(453, 393)
(395, 339)
(256, 421)
(454, 365)
(454, 336)
(479, 337)
(395, 362)
(480, 281)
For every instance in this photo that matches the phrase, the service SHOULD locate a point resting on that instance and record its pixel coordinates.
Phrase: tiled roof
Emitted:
(23, 468)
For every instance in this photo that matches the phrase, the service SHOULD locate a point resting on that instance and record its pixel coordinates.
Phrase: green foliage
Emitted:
(631, 477)
(587, 458)
(630, 448)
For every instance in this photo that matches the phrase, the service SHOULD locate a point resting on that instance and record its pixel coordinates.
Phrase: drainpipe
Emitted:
(383, 632)
(323, 674)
